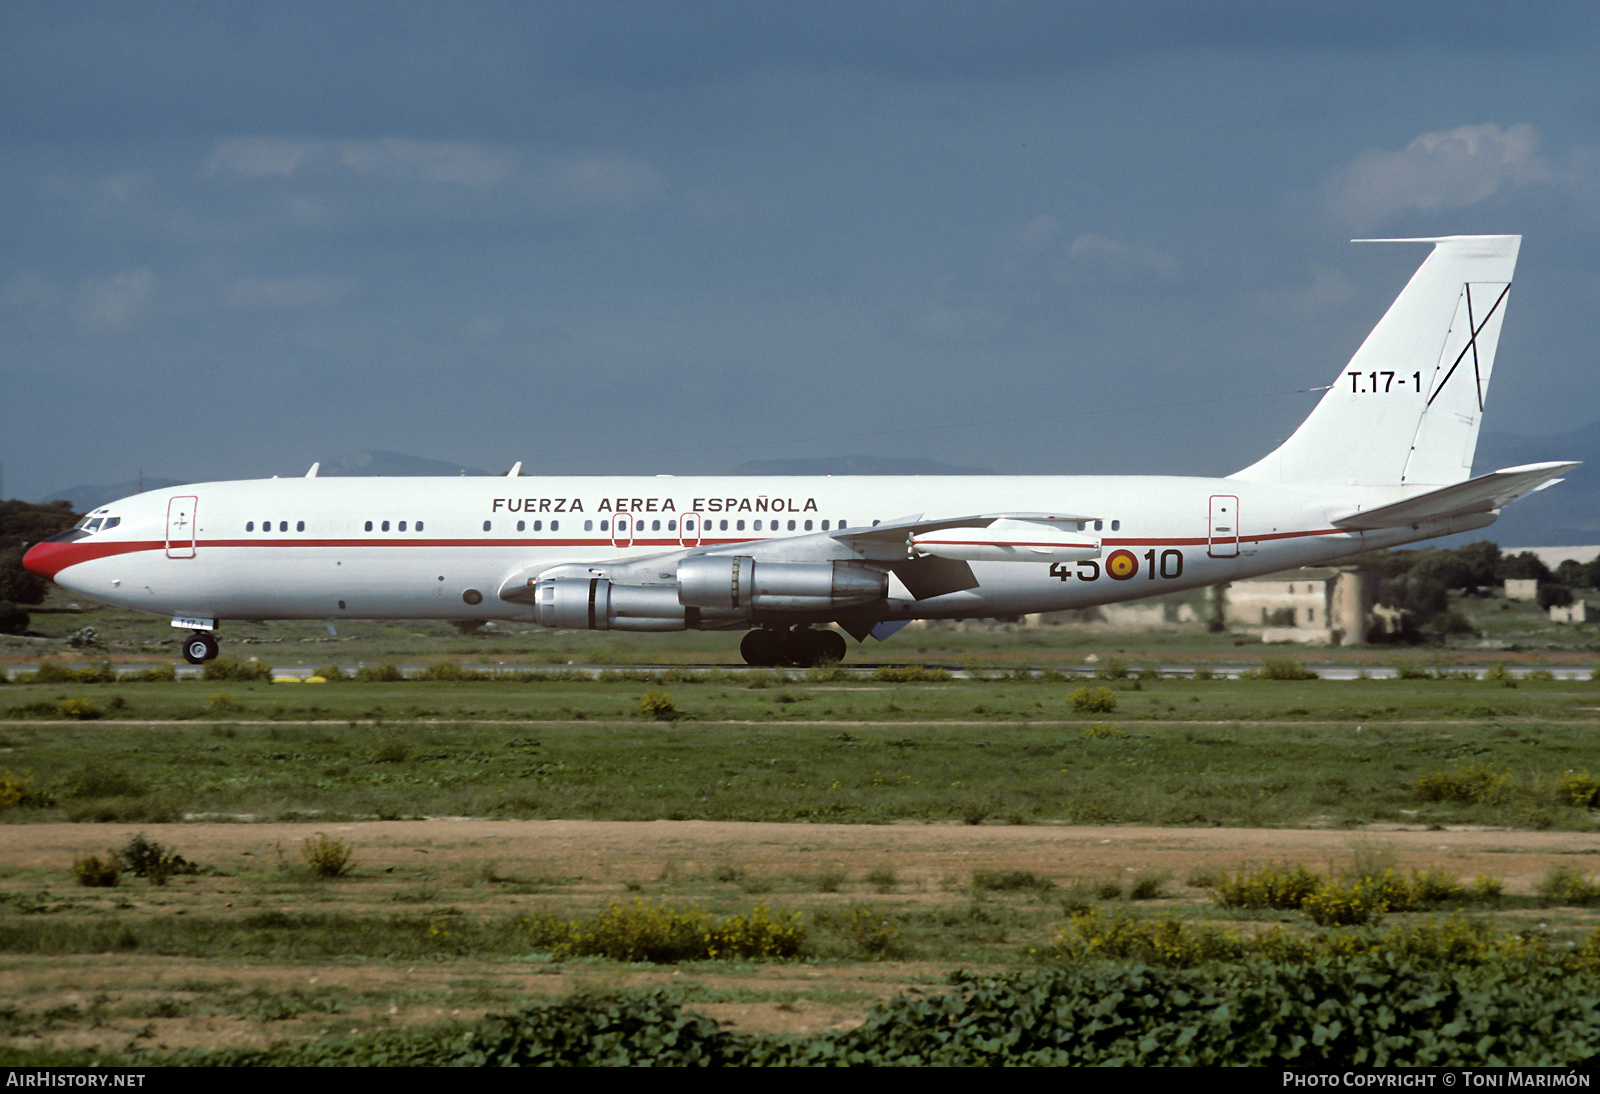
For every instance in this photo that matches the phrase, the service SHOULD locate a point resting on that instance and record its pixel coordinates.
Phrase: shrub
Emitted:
(17, 791)
(1564, 885)
(148, 859)
(327, 857)
(156, 674)
(1578, 788)
(1479, 784)
(81, 709)
(1113, 669)
(331, 673)
(226, 668)
(1093, 700)
(646, 931)
(224, 703)
(1279, 668)
(384, 673)
(911, 674)
(1010, 881)
(95, 872)
(1277, 886)
(1167, 942)
(1353, 905)
(658, 705)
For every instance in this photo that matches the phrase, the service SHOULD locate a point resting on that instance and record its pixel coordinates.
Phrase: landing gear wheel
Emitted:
(763, 647)
(832, 646)
(199, 648)
(801, 648)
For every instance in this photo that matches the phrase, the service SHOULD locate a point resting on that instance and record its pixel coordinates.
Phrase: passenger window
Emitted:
(655, 526)
(824, 526)
(588, 525)
(369, 526)
(249, 526)
(555, 525)
(419, 526)
(841, 524)
(299, 526)
(538, 526)
(1099, 525)
(402, 526)
(791, 526)
(522, 526)
(487, 525)
(1116, 526)
(725, 526)
(283, 526)
(385, 526)
(672, 526)
(605, 526)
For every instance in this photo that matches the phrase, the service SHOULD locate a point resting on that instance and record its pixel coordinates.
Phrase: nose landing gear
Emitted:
(799, 647)
(200, 647)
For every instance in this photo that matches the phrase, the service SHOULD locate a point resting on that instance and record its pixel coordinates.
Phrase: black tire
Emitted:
(832, 646)
(762, 647)
(199, 648)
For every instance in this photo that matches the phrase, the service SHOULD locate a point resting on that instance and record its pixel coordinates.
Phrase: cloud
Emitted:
(311, 290)
(586, 178)
(1435, 172)
(1095, 257)
(112, 303)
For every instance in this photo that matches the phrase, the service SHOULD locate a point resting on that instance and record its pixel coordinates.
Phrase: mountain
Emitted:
(393, 463)
(853, 465)
(89, 497)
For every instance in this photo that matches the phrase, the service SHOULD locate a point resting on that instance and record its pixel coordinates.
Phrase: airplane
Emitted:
(1384, 459)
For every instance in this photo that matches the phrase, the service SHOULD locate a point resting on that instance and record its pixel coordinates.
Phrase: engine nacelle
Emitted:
(594, 604)
(739, 583)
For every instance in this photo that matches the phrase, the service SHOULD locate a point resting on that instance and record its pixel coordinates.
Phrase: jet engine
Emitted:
(712, 592)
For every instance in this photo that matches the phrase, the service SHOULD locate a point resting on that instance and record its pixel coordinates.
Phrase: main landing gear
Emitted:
(199, 647)
(795, 647)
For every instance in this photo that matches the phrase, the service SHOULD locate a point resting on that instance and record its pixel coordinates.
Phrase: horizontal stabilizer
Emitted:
(1484, 494)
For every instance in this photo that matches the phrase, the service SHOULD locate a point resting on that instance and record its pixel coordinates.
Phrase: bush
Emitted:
(1277, 886)
(81, 709)
(226, 668)
(148, 859)
(658, 705)
(331, 673)
(385, 673)
(95, 872)
(1280, 668)
(17, 791)
(1564, 885)
(646, 931)
(1093, 700)
(327, 857)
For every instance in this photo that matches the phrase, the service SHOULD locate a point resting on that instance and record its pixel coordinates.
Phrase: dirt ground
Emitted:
(116, 1000)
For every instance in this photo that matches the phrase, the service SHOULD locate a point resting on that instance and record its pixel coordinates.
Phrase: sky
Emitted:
(643, 238)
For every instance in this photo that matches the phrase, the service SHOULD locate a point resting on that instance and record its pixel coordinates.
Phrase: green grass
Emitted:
(1246, 752)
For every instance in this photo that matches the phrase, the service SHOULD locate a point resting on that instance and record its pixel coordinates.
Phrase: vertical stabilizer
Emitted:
(1406, 409)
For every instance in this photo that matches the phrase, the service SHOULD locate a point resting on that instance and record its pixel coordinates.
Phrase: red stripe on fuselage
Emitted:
(49, 559)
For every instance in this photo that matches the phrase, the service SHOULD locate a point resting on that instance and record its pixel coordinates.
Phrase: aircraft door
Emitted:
(622, 528)
(691, 530)
(181, 528)
(1223, 531)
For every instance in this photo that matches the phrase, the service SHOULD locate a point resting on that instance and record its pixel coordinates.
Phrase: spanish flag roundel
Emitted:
(1121, 565)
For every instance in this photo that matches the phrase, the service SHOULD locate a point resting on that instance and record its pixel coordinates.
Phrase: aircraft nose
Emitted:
(49, 558)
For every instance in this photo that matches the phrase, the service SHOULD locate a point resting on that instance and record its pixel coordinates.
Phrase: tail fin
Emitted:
(1406, 410)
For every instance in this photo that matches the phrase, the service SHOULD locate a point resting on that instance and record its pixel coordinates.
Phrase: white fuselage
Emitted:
(443, 548)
